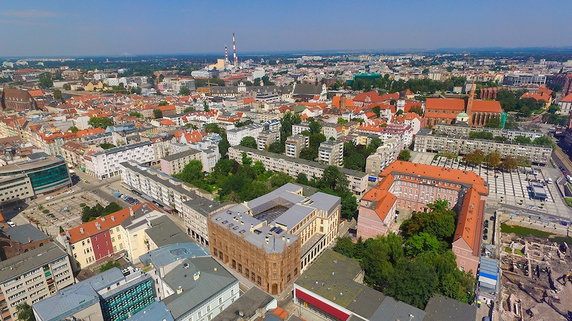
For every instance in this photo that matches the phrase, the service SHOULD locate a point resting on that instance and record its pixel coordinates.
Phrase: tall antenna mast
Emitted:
(234, 50)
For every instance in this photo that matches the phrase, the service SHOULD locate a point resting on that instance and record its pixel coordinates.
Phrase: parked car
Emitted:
(11, 224)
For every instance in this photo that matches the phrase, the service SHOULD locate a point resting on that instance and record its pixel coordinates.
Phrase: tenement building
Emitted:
(272, 239)
(427, 142)
(411, 186)
(293, 166)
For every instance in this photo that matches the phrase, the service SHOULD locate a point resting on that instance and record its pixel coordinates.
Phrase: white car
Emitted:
(49, 198)
(11, 224)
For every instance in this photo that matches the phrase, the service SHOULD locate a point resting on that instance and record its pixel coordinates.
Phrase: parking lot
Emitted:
(511, 188)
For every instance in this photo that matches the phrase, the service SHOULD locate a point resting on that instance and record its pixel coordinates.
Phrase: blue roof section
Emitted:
(157, 311)
(490, 276)
(168, 254)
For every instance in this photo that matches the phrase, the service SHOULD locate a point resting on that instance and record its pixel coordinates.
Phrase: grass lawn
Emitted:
(519, 252)
(524, 231)
(562, 239)
(508, 250)
(568, 201)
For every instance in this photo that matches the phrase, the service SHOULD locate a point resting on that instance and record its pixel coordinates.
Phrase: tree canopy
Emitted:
(249, 141)
(102, 122)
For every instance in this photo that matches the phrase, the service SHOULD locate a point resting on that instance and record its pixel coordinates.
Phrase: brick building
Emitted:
(412, 186)
(17, 100)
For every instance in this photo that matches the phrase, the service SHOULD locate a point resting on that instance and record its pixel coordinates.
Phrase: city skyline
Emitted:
(76, 29)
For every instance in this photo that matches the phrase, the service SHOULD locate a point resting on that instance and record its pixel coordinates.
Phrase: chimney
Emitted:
(81, 230)
(179, 290)
(131, 211)
(196, 275)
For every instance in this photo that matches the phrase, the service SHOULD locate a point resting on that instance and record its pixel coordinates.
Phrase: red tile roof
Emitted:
(444, 104)
(487, 106)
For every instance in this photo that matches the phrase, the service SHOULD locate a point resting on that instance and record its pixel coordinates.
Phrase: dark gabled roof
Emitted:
(307, 89)
(25, 233)
(441, 308)
(248, 304)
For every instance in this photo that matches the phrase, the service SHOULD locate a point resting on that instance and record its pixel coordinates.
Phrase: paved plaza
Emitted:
(511, 188)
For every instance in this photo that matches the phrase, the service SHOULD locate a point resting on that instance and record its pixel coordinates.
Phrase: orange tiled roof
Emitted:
(567, 99)
(470, 221)
(106, 222)
(445, 104)
(36, 93)
(89, 132)
(487, 106)
(384, 201)
(449, 174)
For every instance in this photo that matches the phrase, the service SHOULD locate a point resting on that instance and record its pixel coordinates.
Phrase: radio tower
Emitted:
(234, 50)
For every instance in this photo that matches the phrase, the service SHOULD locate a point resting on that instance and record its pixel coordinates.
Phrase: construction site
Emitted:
(536, 279)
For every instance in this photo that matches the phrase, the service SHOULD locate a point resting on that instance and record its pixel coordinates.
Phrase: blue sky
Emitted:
(117, 27)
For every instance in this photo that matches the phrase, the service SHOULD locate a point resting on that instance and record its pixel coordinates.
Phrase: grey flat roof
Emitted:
(164, 231)
(182, 154)
(157, 311)
(66, 302)
(168, 254)
(122, 148)
(247, 303)
(25, 233)
(441, 308)
(31, 164)
(199, 278)
(391, 310)
(30, 260)
(346, 171)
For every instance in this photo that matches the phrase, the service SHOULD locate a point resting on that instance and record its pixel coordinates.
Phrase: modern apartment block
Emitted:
(299, 128)
(425, 141)
(383, 156)
(463, 130)
(518, 79)
(33, 276)
(106, 164)
(266, 138)
(173, 194)
(272, 239)
(331, 152)
(412, 186)
(193, 285)
(235, 135)
(40, 174)
(293, 166)
(294, 145)
(174, 163)
(108, 296)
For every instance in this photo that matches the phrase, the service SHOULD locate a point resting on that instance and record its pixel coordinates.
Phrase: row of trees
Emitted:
(414, 267)
(512, 101)
(91, 213)
(493, 160)
(425, 86)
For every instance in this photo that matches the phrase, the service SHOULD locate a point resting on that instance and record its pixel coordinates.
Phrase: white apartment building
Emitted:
(235, 135)
(331, 153)
(294, 145)
(357, 180)
(266, 138)
(106, 164)
(383, 156)
(565, 105)
(174, 163)
(298, 129)
(33, 276)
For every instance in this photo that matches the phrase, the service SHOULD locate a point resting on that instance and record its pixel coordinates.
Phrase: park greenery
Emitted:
(249, 142)
(100, 122)
(416, 265)
(24, 312)
(511, 101)
(355, 156)
(223, 145)
(235, 182)
(91, 213)
(423, 86)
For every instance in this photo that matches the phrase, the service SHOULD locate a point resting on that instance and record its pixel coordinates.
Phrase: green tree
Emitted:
(315, 127)
(276, 147)
(334, 179)
(163, 103)
(206, 106)
(249, 141)
(184, 91)
(108, 266)
(493, 159)
(107, 145)
(157, 113)
(223, 146)
(509, 163)
(58, 94)
(416, 109)
(45, 81)
(422, 243)
(102, 122)
(355, 161)
(189, 110)
(377, 111)
(475, 157)
(73, 129)
(279, 179)
(345, 246)
(481, 135)
(308, 153)
(399, 112)
(191, 172)
(315, 140)
(136, 114)
(522, 140)
(302, 179)
(404, 155)
(24, 312)
(544, 141)
(415, 283)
